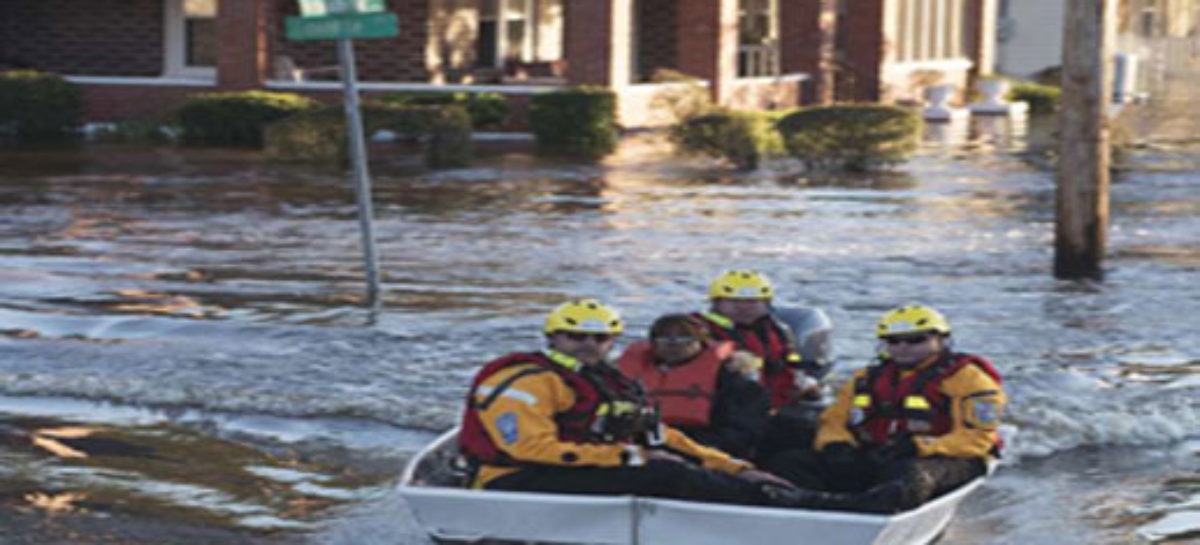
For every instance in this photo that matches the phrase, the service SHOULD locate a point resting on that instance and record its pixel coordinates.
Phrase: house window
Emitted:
(519, 30)
(930, 30)
(758, 38)
(1148, 21)
(190, 48)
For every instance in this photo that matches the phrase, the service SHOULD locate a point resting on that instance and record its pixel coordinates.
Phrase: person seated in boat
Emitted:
(920, 421)
(700, 387)
(741, 312)
(566, 420)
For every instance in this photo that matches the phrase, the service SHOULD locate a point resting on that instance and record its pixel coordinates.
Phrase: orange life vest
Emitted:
(684, 393)
(884, 403)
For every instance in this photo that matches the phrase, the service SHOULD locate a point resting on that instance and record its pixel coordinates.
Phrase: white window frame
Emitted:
(930, 31)
(175, 46)
(527, 11)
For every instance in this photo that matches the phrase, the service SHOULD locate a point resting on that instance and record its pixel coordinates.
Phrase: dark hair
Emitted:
(692, 325)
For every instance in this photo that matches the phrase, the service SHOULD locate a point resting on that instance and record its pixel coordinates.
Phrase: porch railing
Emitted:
(759, 60)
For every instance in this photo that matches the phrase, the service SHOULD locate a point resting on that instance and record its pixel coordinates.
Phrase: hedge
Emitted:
(38, 106)
(851, 137)
(236, 118)
(1042, 99)
(486, 110)
(320, 134)
(579, 122)
(741, 137)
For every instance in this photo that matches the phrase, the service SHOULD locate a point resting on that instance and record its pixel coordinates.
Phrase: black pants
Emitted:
(791, 427)
(896, 485)
(657, 479)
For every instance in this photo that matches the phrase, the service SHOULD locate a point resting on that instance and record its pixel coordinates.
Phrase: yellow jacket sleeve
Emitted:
(520, 421)
(710, 458)
(977, 401)
(835, 419)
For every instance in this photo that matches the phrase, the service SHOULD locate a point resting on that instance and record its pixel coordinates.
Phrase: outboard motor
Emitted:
(813, 331)
(795, 426)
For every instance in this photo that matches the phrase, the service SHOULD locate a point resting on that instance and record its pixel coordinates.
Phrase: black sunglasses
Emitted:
(580, 337)
(908, 339)
(682, 339)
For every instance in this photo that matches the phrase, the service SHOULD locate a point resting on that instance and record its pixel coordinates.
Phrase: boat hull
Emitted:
(474, 516)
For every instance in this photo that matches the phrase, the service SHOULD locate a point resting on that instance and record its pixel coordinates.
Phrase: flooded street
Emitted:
(183, 352)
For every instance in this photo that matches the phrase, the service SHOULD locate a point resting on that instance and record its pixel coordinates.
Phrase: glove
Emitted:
(841, 460)
(899, 447)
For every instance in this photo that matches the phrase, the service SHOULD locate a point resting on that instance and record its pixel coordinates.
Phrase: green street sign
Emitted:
(321, 8)
(336, 27)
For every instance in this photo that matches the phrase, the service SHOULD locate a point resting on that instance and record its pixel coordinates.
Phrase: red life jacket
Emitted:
(578, 424)
(768, 340)
(885, 404)
(684, 394)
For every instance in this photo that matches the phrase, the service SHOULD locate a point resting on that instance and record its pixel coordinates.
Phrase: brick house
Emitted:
(143, 57)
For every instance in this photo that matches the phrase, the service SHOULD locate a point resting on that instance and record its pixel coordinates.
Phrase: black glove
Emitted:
(898, 447)
(841, 460)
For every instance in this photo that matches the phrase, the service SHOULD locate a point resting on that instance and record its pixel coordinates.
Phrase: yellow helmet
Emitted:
(744, 284)
(584, 316)
(912, 319)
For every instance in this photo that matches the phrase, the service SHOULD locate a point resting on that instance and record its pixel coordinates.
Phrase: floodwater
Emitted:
(184, 356)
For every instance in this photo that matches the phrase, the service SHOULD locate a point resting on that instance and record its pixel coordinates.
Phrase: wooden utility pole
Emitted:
(1081, 231)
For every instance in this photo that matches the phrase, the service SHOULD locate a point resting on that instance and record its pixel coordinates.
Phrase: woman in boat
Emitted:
(565, 420)
(920, 421)
(740, 312)
(700, 387)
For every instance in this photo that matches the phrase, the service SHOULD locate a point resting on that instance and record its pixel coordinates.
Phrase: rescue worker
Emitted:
(741, 312)
(698, 385)
(920, 421)
(565, 420)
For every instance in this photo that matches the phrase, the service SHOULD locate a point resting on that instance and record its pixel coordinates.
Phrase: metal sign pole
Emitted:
(362, 178)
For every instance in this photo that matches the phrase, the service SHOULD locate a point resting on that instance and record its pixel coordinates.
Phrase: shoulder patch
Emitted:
(506, 424)
(982, 412)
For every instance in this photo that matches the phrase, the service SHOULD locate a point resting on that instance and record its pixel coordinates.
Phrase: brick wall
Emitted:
(402, 58)
(84, 37)
(708, 42)
(860, 50)
(6, 33)
(807, 30)
(657, 20)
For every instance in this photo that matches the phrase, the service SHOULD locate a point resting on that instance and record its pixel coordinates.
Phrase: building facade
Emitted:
(139, 58)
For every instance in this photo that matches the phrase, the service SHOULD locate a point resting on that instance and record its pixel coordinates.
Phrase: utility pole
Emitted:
(1081, 228)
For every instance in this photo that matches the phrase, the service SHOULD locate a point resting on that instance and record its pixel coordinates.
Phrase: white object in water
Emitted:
(994, 103)
(451, 514)
(939, 108)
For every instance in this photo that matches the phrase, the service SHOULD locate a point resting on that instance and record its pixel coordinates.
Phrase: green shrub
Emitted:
(1042, 99)
(320, 134)
(314, 135)
(135, 131)
(578, 122)
(38, 106)
(1051, 76)
(236, 118)
(486, 110)
(742, 138)
(851, 137)
(449, 138)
